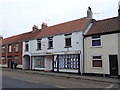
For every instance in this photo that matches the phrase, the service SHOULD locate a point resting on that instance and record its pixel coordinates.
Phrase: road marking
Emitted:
(110, 86)
(60, 87)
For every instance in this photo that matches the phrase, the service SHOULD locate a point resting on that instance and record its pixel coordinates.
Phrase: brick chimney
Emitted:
(119, 9)
(43, 25)
(89, 13)
(34, 28)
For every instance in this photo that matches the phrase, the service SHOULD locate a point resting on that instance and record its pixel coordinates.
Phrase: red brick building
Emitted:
(12, 48)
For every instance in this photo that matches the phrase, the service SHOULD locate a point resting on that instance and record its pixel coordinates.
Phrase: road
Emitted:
(8, 82)
(18, 79)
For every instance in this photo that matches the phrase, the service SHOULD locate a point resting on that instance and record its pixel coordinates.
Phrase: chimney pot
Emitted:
(34, 28)
(89, 13)
(44, 25)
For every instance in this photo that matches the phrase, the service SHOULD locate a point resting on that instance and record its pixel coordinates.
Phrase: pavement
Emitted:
(69, 75)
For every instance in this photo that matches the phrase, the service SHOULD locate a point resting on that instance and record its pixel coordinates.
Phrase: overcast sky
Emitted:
(18, 16)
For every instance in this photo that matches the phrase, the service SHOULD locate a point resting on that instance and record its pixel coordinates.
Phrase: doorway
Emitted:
(113, 65)
(9, 61)
(26, 62)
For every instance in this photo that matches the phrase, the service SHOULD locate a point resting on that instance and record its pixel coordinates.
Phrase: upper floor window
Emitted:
(96, 40)
(9, 48)
(16, 47)
(68, 40)
(96, 61)
(26, 45)
(38, 44)
(50, 42)
(3, 49)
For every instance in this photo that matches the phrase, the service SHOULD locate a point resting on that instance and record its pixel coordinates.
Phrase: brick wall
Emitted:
(13, 53)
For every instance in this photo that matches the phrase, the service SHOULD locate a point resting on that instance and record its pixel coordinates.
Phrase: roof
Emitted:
(20, 37)
(105, 26)
(67, 27)
(71, 26)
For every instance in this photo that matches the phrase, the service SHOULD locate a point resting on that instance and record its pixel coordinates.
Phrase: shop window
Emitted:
(67, 40)
(38, 44)
(69, 61)
(26, 45)
(96, 41)
(50, 42)
(16, 47)
(96, 61)
(9, 48)
(3, 49)
(39, 62)
(16, 59)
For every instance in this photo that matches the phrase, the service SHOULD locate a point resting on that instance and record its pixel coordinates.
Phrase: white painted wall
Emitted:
(58, 43)
(48, 63)
(109, 47)
(58, 46)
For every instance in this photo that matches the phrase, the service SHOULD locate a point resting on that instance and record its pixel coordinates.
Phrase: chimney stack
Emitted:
(34, 28)
(119, 9)
(44, 25)
(89, 13)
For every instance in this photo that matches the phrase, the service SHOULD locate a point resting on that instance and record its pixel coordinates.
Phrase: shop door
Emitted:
(113, 65)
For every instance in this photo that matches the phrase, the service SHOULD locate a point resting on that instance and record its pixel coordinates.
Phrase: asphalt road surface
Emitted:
(19, 79)
(8, 82)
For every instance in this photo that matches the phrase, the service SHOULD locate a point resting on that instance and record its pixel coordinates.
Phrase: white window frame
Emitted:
(26, 42)
(3, 49)
(49, 40)
(16, 47)
(96, 59)
(68, 36)
(96, 39)
(10, 48)
(39, 41)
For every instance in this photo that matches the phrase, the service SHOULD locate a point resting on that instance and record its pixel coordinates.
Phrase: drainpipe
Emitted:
(79, 71)
(53, 63)
(83, 53)
(31, 63)
(57, 63)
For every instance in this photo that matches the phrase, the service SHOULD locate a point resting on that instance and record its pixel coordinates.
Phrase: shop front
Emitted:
(57, 61)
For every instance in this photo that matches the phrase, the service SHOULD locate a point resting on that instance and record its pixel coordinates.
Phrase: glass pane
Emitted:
(68, 41)
(97, 63)
(96, 43)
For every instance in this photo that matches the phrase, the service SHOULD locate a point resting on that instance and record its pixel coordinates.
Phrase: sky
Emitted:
(18, 16)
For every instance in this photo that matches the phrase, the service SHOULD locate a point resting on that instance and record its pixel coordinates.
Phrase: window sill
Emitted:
(50, 48)
(96, 46)
(67, 46)
(38, 49)
(101, 68)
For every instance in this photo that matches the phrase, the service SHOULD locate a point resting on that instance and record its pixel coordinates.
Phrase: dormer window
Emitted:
(50, 42)
(68, 40)
(26, 45)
